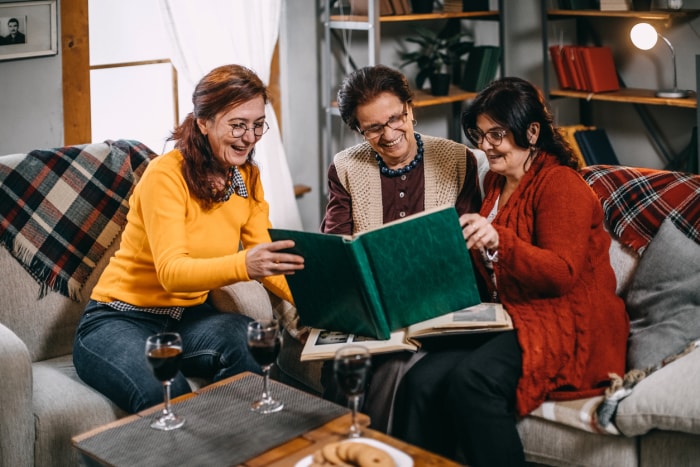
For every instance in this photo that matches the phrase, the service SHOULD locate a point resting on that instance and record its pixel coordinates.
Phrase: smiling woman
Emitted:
(197, 221)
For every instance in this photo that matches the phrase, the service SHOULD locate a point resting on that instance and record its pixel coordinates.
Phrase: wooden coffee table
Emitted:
(286, 453)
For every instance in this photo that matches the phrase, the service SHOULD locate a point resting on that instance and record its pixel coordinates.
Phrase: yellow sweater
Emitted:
(172, 252)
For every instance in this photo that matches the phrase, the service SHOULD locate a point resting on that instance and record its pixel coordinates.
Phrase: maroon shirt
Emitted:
(401, 196)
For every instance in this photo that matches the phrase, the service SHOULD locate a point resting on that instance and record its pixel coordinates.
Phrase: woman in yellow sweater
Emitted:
(189, 215)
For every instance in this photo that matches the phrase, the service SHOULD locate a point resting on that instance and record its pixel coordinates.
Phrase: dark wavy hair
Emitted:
(365, 84)
(218, 91)
(515, 103)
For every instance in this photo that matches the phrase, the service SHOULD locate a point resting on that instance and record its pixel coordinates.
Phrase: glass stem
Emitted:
(166, 398)
(266, 382)
(354, 427)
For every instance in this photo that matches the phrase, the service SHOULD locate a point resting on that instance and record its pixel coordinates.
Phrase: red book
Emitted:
(571, 65)
(600, 69)
(557, 55)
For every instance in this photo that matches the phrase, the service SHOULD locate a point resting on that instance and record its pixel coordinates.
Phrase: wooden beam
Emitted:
(274, 87)
(75, 50)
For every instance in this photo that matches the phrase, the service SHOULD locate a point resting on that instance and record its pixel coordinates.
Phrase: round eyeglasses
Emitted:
(494, 137)
(395, 123)
(258, 129)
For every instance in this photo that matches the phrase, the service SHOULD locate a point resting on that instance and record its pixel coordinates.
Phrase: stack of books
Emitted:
(614, 5)
(481, 67)
(386, 7)
(596, 147)
(575, 4)
(584, 68)
(455, 6)
(452, 6)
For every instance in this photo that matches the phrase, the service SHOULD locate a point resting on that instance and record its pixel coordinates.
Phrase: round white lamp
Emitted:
(644, 37)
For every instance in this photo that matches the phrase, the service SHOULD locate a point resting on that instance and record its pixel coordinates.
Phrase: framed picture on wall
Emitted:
(28, 29)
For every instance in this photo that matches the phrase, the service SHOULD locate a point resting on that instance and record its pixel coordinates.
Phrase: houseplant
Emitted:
(439, 56)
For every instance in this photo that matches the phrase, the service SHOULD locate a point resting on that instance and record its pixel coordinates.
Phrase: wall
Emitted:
(32, 103)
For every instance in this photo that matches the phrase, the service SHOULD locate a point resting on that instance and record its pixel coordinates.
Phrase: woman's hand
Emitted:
(478, 232)
(266, 259)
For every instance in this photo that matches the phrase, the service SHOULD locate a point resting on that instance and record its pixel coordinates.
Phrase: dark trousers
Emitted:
(460, 401)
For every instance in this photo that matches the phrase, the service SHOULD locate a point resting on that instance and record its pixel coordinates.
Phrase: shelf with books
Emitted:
(584, 22)
(494, 15)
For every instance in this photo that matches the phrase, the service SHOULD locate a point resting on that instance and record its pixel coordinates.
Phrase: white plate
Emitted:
(401, 459)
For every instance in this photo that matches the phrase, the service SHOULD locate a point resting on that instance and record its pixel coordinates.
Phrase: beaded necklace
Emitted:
(230, 187)
(387, 172)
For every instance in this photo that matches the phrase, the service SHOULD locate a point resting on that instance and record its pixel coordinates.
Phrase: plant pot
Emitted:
(440, 84)
(421, 6)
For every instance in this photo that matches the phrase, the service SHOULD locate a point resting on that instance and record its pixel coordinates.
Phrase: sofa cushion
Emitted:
(549, 443)
(637, 200)
(46, 325)
(663, 300)
(665, 400)
(64, 407)
(624, 261)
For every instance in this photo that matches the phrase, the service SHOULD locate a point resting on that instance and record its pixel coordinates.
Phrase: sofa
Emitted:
(43, 403)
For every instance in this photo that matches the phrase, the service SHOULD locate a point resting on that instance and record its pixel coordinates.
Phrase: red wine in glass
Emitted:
(265, 353)
(165, 362)
(264, 342)
(351, 366)
(164, 353)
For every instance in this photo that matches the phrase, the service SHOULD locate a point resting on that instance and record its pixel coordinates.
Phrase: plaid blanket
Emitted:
(60, 209)
(637, 200)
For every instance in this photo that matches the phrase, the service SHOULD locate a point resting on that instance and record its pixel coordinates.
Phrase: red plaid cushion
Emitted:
(637, 200)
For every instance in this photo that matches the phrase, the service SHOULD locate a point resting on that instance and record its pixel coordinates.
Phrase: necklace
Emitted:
(387, 172)
(228, 190)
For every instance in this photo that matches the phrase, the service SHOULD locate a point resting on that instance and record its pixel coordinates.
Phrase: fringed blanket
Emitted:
(60, 209)
(637, 200)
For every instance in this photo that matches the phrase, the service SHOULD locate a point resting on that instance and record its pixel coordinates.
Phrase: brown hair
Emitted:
(515, 103)
(363, 85)
(218, 91)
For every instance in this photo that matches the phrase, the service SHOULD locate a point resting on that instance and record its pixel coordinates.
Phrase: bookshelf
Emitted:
(372, 26)
(638, 98)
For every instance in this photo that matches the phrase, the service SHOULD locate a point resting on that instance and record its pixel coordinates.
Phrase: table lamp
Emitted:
(644, 37)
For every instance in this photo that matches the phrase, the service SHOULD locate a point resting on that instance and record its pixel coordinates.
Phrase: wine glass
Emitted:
(264, 342)
(164, 352)
(350, 366)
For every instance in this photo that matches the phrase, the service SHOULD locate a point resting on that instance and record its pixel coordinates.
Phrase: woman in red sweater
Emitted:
(539, 243)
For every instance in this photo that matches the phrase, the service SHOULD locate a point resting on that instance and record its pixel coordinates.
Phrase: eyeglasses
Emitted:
(395, 122)
(239, 129)
(494, 137)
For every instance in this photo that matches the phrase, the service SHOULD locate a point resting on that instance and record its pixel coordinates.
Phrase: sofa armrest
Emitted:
(249, 298)
(17, 420)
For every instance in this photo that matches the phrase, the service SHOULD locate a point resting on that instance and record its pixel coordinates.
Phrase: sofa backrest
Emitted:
(46, 325)
(74, 196)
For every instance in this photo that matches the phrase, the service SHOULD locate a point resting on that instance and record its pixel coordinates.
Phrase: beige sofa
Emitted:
(43, 403)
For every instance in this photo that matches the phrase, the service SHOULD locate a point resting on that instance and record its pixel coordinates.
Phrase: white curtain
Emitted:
(208, 33)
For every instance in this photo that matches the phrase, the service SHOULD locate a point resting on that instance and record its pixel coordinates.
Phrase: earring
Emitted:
(414, 122)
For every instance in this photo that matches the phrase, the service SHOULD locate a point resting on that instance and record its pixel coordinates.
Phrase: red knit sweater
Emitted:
(554, 278)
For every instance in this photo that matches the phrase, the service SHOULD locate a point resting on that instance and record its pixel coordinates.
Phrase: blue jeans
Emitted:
(109, 351)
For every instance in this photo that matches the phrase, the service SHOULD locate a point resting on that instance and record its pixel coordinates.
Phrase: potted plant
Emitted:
(439, 57)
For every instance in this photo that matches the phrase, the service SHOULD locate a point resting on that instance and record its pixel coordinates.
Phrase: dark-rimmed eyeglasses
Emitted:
(494, 137)
(395, 122)
(258, 129)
